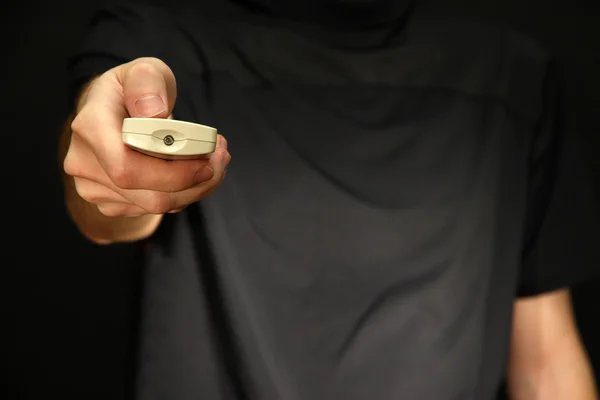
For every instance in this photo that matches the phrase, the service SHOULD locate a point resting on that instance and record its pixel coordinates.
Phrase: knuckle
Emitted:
(82, 122)
(159, 203)
(72, 162)
(78, 123)
(70, 166)
(121, 177)
(89, 197)
(84, 192)
(177, 179)
(149, 60)
(169, 185)
(157, 63)
(222, 159)
(145, 66)
(153, 66)
(74, 167)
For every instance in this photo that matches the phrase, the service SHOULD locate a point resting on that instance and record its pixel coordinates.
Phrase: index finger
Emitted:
(133, 170)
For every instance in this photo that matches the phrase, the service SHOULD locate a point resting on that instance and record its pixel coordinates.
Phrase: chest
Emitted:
(360, 180)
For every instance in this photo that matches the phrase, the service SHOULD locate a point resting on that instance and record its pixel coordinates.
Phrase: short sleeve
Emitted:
(115, 35)
(562, 227)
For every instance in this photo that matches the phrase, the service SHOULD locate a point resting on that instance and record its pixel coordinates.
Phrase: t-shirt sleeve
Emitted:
(562, 227)
(115, 35)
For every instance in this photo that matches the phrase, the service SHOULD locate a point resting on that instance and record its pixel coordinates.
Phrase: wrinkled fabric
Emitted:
(351, 14)
(384, 207)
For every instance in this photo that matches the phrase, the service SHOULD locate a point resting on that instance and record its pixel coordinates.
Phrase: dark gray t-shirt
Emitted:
(385, 205)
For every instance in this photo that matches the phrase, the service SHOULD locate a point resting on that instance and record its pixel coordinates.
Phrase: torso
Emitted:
(368, 236)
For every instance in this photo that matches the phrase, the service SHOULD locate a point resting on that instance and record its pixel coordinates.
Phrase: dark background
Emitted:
(68, 306)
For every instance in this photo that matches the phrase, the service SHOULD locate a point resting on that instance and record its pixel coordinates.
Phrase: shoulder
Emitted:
(486, 59)
(485, 37)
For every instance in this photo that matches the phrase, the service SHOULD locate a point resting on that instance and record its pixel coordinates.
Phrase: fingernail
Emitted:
(149, 106)
(204, 174)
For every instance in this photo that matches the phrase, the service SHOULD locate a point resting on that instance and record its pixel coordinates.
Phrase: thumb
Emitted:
(149, 88)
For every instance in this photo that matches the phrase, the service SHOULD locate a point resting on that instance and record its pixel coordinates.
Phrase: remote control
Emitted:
(168, 139)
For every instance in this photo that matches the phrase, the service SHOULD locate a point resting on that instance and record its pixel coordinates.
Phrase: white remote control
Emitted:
(168, 139)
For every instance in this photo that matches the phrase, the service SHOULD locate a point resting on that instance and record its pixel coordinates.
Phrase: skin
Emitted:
(547, 359)
(109, 193)
(112, 200)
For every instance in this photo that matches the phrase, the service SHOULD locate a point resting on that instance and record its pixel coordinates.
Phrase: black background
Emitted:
(68, 306)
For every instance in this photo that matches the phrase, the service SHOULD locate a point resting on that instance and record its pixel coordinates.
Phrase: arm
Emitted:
(94, 225)
(547, 359)
(109, 193)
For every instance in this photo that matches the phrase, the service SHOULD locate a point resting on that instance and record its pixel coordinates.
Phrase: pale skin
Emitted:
(113, 193)
(112, 198)
(547, 358)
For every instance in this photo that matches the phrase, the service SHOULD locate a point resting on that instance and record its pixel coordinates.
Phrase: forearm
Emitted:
(89, 220)
(564, 374)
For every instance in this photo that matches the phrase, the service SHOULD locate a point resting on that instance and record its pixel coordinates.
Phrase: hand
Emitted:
(117, 179)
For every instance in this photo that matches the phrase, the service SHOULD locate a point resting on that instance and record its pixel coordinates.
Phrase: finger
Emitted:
(120, 210)
(219, 161)
(149, 87)
(96, 187)
(221, 142)
(96, 193)
(93, 184)
(111, 199)
(114, 96)
(127, 169)
(131, 170)
(151, 202)
(77, 152)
